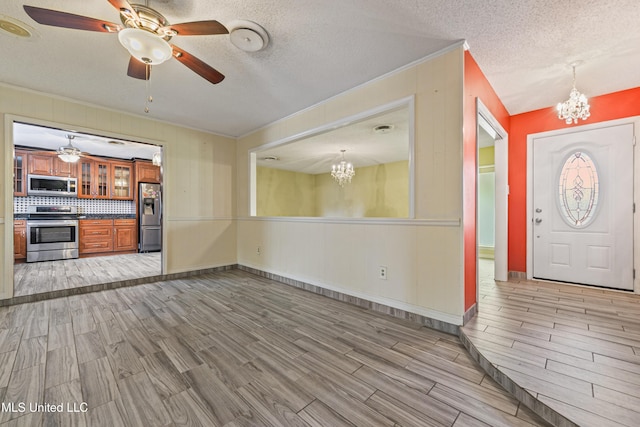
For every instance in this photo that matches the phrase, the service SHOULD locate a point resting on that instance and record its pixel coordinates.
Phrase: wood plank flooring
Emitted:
(39, 277)
(574, 349)
(233, 349)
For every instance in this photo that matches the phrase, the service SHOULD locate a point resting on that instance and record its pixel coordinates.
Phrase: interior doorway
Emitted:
(492, 195)
(99, 243)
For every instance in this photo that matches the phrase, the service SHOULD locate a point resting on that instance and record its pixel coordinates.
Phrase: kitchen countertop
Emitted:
(87, 216)
(107, 216)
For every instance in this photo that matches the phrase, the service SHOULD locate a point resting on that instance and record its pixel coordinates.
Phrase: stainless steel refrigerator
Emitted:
(150, 217)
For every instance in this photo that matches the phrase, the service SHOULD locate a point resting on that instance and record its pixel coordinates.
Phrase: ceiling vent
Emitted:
(383, 128)
(13, 27)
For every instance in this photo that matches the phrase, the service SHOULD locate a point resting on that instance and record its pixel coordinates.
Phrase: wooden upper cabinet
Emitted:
(65, 169)
(94, 179)
(147, 172)
(43, 163)
(121, 180)
(20, 173)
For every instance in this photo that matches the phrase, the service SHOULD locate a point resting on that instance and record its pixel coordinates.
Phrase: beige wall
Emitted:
(199, 177)
(285, 193)
(380, 191)
(423, 255)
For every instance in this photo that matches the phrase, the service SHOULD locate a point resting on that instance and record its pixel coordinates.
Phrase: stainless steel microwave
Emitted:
(43, 185)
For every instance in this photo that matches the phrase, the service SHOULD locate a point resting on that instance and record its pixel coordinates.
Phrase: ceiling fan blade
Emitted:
(197, 66)
(138, 69)
(56, 18)
(198, 28)
(123, 5)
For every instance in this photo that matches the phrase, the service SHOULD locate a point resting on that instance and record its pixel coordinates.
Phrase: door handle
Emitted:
(538, 220)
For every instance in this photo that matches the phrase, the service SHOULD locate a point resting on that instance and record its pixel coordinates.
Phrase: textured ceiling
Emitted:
(320, 48)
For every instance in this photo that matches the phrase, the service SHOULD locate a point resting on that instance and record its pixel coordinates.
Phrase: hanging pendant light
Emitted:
(576, 107)
(343, 171)
(69, 153)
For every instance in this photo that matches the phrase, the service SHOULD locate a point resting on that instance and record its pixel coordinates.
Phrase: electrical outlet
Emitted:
(382, 272)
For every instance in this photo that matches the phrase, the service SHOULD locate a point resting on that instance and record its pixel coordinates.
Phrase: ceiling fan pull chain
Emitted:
(149, 98)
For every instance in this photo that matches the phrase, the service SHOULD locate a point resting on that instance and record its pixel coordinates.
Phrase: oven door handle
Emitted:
(52, 223)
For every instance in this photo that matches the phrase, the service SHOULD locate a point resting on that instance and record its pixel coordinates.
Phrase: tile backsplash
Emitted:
(85, 206)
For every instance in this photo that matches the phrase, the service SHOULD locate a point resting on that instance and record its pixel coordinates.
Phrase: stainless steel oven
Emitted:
(52, 233)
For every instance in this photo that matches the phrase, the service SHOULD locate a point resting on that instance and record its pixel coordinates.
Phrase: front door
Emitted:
(583, 207)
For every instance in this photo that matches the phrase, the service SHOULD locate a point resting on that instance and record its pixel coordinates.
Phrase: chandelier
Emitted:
(69, 153)
(342, 172)
(574, 108)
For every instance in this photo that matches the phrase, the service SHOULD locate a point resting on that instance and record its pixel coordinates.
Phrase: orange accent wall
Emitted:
(613, 106)
(476, 85)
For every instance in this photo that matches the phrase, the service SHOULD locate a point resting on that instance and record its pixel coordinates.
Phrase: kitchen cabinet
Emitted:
(147, 172)
(19, 239)
(96, 235)
(94, 179)
(20, 173)
(43, 163)
(121, 180)
(64, 169)
(105, 236)
(125, 237)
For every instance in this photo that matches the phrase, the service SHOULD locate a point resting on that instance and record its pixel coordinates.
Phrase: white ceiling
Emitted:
(363, 146)
(45, 138)
(321, 48)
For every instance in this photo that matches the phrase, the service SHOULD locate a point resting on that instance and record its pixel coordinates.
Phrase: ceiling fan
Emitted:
(144, 32)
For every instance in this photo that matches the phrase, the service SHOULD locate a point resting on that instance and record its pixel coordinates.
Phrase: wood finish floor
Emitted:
(575, 349)
(39, 277)
(233, 349)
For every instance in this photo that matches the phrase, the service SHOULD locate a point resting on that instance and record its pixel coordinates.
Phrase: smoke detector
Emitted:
(248, 36)
(271, 158)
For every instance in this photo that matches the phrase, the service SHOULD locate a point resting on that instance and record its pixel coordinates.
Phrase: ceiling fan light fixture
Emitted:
(146, 47)
(69, 153)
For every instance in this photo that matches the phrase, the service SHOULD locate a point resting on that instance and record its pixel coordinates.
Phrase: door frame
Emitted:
(635, 120)
(7, 285)
(485, 119)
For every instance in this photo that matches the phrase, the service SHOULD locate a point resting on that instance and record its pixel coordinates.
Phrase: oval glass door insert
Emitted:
(578, 189)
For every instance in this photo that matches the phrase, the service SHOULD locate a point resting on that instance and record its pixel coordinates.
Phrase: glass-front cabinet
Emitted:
(121, 174)
(19, 173)
(94, 179)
